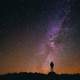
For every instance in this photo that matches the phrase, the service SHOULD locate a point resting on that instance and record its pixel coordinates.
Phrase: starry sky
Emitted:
(35, 32)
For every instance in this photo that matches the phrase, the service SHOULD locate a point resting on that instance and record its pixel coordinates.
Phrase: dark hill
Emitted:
(39, 76)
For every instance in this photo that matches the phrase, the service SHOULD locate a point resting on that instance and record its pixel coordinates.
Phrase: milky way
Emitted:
(56, 33)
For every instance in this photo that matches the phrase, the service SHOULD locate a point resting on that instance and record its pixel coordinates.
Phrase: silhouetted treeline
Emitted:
(39, 76)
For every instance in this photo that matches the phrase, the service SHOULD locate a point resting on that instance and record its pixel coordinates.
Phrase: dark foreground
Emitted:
(38, 76)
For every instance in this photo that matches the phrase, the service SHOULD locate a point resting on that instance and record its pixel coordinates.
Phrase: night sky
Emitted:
(35, 32)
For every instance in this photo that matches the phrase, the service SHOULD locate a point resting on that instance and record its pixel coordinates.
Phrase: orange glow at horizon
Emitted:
(59, 70)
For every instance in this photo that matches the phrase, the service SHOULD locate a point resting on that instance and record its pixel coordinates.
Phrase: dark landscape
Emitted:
(39, 76)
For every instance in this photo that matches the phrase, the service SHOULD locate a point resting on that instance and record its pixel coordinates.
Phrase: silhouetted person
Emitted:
(52, 75)
(51, 66)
